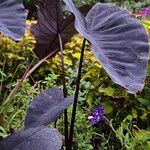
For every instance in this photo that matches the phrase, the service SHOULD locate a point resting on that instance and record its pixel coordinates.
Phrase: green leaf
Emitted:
(144, 102)
(142, 135)
(108, 91)
(108, 107)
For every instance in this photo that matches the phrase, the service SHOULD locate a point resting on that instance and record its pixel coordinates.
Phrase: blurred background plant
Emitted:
(132, 5)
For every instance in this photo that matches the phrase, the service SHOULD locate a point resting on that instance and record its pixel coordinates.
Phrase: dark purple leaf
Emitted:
(46, 107)
(12, 19)
(119, 42)
(40, 138)
(51, 21)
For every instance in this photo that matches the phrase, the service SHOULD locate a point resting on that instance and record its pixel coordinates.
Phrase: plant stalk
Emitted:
(17, 87)
(76, 95)
(64, 92)
(39, 63)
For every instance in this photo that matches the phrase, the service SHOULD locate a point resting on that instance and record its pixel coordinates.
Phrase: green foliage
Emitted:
(130, 136)
(50, 80)
(15, 57)
(123, 133)
(144, 137)
(14, 115)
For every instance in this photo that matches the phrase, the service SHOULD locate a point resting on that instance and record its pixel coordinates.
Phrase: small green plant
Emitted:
(50, 80)
(126, 133)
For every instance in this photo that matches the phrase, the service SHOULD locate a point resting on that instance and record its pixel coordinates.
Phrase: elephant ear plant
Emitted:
(119, 42)
(44, 109)
(52, 30)
(117, 39)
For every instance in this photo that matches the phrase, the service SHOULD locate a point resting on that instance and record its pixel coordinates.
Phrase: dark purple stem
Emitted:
(64, 92)
(76, 95)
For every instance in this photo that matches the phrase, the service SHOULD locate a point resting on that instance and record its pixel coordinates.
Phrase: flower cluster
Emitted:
(97, 115)
(145, 12)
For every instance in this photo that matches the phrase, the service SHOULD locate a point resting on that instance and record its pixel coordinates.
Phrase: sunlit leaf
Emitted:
(119, 42)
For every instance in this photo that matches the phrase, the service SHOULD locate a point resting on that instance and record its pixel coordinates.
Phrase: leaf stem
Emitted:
(64, 91)
(76, 95)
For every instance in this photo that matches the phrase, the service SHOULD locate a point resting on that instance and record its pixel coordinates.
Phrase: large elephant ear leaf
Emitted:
(51, 21)
(12, 19)
(46, 107)
(33, 139)
(119, 42)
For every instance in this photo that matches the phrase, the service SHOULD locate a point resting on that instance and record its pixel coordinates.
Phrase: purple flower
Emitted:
(145, 11)
(97, 115)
